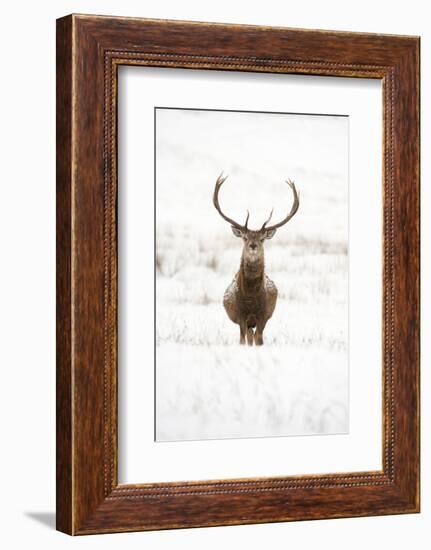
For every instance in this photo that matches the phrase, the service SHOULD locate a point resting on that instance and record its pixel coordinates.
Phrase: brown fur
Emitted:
(250, 299)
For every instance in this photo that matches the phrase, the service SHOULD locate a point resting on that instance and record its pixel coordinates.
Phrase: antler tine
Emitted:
(267, 221)
(293, 210)
(220, 180)
(246, 220)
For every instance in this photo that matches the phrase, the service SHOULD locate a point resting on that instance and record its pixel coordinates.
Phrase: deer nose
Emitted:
(253, 246)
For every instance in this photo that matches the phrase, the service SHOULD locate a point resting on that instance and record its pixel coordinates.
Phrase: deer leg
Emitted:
(243, 332)
(258, 335)
(250, 336)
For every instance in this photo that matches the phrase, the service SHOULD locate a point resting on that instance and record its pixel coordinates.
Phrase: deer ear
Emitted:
(269, 233)
(237, 232)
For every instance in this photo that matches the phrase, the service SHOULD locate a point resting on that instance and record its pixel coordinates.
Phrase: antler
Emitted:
(292, 212)
(220, 180)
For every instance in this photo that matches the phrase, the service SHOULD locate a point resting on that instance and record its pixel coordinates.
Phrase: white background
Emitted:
(27, 277)
(142, 459)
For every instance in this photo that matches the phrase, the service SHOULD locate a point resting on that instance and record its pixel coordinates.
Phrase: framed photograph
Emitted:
(237, 274)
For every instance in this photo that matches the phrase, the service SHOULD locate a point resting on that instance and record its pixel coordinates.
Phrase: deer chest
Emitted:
(251, 304)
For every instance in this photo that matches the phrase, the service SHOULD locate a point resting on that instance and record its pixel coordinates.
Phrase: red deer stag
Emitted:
(250, 299)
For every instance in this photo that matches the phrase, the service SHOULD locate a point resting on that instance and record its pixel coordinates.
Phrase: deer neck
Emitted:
(252, 273)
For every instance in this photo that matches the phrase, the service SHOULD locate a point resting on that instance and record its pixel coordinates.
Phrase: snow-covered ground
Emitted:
(207, 385)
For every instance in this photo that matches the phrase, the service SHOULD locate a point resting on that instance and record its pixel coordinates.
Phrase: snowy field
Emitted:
(207, 385)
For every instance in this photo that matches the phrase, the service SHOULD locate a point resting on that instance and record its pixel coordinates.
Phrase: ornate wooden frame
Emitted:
(89, 51)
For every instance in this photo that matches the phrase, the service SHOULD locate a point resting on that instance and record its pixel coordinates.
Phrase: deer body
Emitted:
(250, 303)
(251, 298)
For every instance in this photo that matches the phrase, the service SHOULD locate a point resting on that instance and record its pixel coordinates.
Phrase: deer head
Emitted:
(254, 239)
